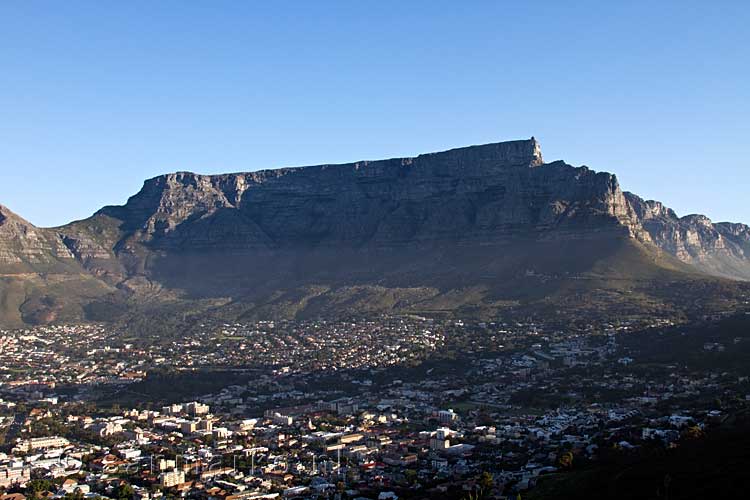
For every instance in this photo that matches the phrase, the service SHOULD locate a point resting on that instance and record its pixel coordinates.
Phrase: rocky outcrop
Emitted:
(721, 249)
(26, 248)
(739, 234)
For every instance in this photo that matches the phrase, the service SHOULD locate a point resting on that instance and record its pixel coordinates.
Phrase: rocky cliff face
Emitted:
(494, 218)
(739, 234)
(481, 193)
(26, 248)
(721, 249)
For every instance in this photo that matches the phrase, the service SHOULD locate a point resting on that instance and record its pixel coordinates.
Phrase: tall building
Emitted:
(10, 476)
(206, 425)
(447, 416)
(195, 408)
(173, 409)
(171, 478)
(41, 443)
(441, 439)
(189, 427)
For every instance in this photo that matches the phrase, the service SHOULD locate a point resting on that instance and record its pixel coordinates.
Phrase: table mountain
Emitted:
(472, 230)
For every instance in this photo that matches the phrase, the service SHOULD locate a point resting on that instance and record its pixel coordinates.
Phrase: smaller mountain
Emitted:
(26, 248)
(41, 281)
(721, 249)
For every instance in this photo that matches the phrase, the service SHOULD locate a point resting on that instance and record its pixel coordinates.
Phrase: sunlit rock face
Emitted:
(25, 247)
(721, 249)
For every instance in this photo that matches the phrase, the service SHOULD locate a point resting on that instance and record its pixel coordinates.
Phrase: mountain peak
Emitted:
(6, 213)
(8, 216)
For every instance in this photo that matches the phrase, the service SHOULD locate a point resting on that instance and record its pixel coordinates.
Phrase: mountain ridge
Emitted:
(494, 219)
(720, 249)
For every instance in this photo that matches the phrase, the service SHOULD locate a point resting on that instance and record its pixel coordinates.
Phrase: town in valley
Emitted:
(378, 407)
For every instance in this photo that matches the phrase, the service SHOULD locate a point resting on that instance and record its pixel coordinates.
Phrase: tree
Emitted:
(410, 475)
(566, 460)
(693, 432)
(76, 495)
(36, 486)
(125, 492)
(486, 481)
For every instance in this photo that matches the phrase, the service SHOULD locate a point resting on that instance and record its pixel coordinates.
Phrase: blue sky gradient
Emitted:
(95, 97)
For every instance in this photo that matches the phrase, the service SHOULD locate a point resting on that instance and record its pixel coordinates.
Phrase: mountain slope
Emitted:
(474, 230)
(25, 248)
(40, 279)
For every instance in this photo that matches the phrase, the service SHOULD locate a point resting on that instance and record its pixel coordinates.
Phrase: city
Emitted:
(348, 409)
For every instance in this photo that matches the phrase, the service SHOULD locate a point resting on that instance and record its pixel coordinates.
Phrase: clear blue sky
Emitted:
(97, 96)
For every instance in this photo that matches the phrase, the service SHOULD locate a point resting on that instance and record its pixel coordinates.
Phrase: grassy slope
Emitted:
(603, 275)
(600, 276)
(36, 298)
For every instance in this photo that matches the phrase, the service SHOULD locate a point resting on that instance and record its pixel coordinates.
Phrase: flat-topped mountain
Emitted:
(475, 230)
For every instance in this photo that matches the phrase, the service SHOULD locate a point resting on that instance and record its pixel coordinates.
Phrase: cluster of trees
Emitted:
(484, 487)
(36, 487)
